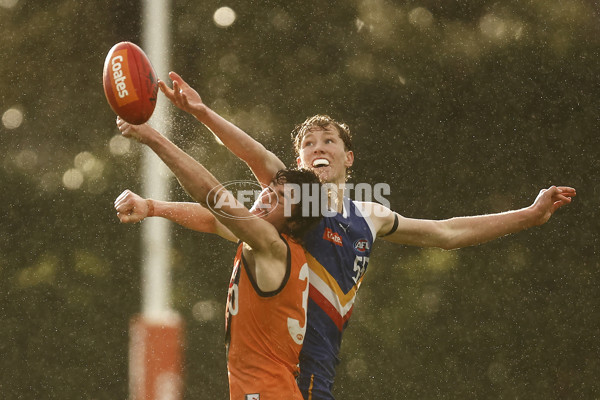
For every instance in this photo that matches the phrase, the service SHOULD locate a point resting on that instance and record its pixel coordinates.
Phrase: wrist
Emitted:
(150, 204)
(201, 112)
(532, 217)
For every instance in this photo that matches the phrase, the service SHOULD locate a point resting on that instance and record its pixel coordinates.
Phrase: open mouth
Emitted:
(320, 162)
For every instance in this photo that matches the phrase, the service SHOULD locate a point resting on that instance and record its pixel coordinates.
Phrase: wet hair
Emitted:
(320, 121)
(297, 225)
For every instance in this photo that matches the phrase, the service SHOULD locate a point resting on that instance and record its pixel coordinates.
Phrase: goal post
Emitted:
(156, 358)
(156, 334)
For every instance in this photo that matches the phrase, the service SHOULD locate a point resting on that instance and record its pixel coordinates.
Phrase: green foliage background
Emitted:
(463, 107)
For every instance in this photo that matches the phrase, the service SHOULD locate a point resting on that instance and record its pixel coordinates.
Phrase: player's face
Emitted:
(322, 150)
(270, 205)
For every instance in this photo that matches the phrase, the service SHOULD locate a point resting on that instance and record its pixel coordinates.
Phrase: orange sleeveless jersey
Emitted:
(265, 331)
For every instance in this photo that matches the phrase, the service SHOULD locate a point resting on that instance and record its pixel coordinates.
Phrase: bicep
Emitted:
(383, 218)
(393, 227)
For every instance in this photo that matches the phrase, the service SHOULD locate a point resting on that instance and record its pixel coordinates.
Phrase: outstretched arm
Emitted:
(460, 232)
(261, 239)
(261, 161)
(198, 182)
(132, 208)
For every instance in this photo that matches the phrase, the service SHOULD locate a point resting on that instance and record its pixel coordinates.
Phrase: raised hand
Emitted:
(551, 199)
(183, 95)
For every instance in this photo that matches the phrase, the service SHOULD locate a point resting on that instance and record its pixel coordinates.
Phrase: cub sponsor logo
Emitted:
(332, 236)
(121, 79)
(253, 396)
(361, 245)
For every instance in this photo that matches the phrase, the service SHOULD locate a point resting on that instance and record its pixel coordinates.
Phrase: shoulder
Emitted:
(274, 248)
(381, 216)
(372, 209)
(269, 266)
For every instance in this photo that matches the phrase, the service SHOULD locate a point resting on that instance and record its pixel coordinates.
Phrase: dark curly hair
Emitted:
(299, 225)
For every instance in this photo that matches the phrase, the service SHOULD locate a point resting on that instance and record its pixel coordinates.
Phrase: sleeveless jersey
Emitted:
(265, 330)
(337, 252)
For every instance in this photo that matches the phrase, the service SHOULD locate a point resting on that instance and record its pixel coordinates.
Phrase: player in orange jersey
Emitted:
(268, 292)
(339, 249)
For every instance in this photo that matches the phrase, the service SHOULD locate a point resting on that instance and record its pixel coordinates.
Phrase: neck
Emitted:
(335, 194)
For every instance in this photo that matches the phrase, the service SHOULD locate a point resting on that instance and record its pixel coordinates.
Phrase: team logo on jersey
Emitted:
(253, 396)
(333, 237)
(361, 245)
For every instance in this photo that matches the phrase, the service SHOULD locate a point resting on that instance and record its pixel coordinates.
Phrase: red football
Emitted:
(130, 83)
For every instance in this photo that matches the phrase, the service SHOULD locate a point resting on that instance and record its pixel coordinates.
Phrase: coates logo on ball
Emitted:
(130, 83)
(120, 73)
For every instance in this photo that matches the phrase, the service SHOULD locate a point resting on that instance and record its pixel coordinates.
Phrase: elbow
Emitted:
(448, 244)
(448, 239)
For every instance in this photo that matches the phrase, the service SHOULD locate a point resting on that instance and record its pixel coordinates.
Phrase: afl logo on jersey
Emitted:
(361, 246)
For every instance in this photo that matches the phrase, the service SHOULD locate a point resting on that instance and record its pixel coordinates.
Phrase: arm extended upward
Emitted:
(199, 183)
(263, 163)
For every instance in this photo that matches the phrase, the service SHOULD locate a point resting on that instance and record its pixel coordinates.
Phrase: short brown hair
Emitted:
(320, 121)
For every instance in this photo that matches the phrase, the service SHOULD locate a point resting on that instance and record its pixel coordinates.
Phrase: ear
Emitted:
(349, 159)
(299, 162)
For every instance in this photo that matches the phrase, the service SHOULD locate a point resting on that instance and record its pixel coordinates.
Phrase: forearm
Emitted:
(189, 215)
(193, 177)
(234, 219)
(262, 162)
(468, 231)
(460, 232)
